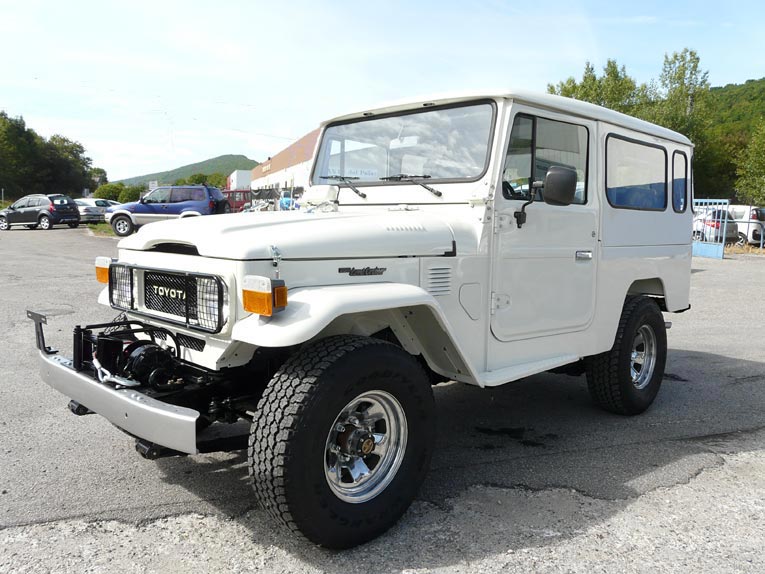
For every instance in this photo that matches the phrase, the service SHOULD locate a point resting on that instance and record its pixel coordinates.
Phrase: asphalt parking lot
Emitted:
(529, 477)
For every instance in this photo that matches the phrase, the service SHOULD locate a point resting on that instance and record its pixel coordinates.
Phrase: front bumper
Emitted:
(135, 413)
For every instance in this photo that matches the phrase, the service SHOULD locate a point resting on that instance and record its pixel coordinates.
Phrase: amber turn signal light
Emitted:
(102, 269)
(263, 296)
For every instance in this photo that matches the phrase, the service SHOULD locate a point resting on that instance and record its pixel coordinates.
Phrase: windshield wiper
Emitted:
(413, 179)
(347, 181)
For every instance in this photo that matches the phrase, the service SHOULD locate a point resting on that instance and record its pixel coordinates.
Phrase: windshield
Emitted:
(449, 143)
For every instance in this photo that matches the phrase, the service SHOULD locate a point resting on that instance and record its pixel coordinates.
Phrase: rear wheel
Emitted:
(342, 439)
(122, 225)
(44, 222)
(626, 379)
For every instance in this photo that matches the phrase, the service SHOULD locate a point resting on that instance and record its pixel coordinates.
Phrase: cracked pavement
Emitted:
(525, 477)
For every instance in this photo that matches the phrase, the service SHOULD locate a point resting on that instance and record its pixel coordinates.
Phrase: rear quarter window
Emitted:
(636, 174)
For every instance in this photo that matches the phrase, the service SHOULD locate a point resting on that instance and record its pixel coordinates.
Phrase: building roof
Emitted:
(296, 153)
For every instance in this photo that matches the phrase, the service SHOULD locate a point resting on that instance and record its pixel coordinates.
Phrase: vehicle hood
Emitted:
(300, 235)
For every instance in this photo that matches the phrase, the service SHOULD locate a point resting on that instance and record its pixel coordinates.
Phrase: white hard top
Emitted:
(548, 101)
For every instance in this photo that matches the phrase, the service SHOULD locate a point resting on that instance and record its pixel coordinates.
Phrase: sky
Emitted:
(149, 86)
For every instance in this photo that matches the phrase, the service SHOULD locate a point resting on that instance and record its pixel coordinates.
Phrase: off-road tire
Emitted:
(122, 226)
(45, 223)
(288, 438)
(608, 374)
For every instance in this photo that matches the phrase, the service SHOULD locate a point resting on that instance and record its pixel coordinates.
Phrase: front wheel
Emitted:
(122, 225)
(626, 379)
(342, 440)
(3, 224)
(742, 240)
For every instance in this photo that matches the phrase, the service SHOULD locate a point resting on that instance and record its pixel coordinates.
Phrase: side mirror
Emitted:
(560, 185)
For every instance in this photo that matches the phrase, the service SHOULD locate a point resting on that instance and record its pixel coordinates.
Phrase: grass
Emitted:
(744, 249)
(103, 229)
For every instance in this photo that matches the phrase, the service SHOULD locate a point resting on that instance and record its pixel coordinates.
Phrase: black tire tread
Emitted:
(291, 391)
(603, 369)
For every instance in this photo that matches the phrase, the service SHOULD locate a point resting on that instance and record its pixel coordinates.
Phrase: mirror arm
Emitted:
(520, 216)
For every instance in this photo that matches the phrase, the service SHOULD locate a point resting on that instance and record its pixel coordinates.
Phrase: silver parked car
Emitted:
(91, 210)
(715, 226)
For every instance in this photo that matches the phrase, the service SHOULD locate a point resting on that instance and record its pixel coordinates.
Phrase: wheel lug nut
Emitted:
(340, 427)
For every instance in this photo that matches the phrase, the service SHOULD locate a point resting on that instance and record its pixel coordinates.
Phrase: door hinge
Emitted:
(501, 222)
(499, 301)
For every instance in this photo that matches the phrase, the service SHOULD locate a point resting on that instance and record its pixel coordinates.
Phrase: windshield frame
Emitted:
(424, 108)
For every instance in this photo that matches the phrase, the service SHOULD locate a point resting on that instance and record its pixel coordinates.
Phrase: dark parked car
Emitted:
(237, 198)
(43, 211)
(167, 202)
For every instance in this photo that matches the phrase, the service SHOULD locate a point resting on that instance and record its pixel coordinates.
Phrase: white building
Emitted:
(239, 179)
(288, 169)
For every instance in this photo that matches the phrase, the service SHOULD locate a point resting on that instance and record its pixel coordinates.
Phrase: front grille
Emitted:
(169, 294)
(196, 301)
(191, 342)
(184, 340)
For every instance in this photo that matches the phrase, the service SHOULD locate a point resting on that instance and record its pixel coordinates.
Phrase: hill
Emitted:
(223, 164)
(739, 106)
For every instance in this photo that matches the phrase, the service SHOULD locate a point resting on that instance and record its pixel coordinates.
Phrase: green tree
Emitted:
(110, 191)
(131, 193)
(181, 181)
(217, 180)
(197, 179)
(615, 89)
(750, 168)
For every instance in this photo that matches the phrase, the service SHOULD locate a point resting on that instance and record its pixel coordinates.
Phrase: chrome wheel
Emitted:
(365, 446)
(122, 226)
(44, 222)
(643, 357)
(3, 224)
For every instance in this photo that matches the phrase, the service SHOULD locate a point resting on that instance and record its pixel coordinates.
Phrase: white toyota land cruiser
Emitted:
(477, 238)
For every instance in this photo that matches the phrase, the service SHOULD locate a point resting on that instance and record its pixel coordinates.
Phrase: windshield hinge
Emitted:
(500, 222)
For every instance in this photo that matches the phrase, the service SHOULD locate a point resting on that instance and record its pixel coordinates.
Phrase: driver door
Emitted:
(153, 207)
(544, 271)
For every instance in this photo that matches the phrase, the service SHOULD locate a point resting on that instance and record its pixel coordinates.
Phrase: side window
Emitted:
(537, 144)
(636, 174)
(102, 203)
(36, 202)
(679, 181)
(21, 203)
(180, 194)
(159, 195)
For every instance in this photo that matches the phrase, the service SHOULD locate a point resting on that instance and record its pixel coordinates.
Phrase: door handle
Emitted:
(583, 255)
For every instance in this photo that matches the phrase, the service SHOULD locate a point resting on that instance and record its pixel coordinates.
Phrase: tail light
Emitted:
(51, 208)
(212, 205)
(715, 224)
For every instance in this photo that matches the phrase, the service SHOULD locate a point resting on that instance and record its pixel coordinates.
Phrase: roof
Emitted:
(548, 101)
(298, 152)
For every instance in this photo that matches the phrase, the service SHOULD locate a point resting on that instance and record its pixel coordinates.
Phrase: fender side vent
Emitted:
(439, 281)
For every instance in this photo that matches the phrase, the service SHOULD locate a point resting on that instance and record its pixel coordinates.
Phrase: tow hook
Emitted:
(151, 451)
(78, 409)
